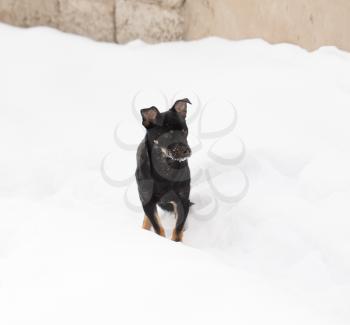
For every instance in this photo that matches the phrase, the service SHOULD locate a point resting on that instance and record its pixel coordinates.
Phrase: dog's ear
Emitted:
(149, 116)
(180, 106)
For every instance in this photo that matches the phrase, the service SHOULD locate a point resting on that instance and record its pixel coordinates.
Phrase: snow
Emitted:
(267, 241)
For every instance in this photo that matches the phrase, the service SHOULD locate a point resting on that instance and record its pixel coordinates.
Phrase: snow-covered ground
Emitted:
(71, 247)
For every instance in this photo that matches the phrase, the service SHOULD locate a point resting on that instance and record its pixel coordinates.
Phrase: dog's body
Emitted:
(162, 174)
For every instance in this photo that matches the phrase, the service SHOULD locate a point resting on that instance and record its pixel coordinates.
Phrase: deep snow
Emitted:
(71, 249)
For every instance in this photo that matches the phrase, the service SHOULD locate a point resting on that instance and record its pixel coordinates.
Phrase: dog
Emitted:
(162, 174)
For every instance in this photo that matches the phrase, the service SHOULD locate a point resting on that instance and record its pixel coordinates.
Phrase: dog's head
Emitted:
(168, 131)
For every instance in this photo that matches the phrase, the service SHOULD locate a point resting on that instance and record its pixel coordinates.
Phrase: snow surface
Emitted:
(71, 247)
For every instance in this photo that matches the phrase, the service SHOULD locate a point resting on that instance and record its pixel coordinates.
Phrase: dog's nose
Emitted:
(187, 151)
(180, 150)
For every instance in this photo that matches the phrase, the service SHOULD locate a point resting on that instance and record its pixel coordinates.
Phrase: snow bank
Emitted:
(72, 251)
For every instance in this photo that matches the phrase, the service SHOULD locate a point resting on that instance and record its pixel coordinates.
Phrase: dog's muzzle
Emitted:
(179, 152)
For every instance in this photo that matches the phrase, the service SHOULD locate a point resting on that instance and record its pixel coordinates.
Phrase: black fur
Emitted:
(162, 174)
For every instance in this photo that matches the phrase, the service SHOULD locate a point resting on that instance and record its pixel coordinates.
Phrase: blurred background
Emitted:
(308, 23)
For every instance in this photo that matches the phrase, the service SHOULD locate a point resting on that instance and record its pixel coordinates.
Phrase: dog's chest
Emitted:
(170, 191)
(166, 172)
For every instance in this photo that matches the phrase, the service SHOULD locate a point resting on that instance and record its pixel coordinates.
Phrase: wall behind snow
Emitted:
(309, 23)
(104, 20)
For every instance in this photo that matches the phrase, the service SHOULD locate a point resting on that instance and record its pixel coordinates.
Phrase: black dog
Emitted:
(162, 174)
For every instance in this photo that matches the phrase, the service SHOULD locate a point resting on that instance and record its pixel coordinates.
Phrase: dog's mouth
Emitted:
(168, 154)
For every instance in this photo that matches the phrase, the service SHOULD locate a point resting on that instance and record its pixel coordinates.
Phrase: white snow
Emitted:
(71, 247)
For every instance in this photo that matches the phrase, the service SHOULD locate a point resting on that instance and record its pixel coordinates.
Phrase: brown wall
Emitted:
(309, 23)
(103, 20)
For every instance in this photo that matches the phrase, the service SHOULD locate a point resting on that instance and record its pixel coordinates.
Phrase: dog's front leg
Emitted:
(181, 208)
(152, 218)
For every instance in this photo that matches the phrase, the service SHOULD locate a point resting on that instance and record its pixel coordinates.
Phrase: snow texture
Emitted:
(72, 250)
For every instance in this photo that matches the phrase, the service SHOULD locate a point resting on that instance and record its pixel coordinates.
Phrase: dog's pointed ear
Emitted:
(149, 116)
(180, 106)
